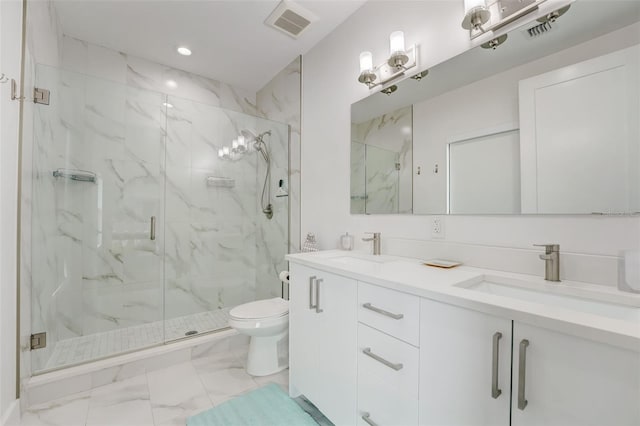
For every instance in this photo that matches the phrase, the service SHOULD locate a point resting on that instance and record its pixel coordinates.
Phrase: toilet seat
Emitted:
(261, 309)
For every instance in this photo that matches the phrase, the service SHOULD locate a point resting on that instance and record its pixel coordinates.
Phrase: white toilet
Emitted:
(267, 322)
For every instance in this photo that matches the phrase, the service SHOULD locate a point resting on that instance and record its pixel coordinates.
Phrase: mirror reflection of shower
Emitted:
(242, 145)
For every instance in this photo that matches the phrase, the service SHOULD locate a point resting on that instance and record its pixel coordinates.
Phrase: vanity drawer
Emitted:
(390, 311)
(383, 407)
(388, 361)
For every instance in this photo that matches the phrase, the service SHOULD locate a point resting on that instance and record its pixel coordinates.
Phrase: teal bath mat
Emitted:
(267, 406)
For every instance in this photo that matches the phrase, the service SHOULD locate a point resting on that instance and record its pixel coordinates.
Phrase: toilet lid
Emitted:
(269, 308)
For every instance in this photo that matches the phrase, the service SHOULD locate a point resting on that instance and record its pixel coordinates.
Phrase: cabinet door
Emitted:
(572, 381)
(337, 350)
(457, 348)
(303, 334)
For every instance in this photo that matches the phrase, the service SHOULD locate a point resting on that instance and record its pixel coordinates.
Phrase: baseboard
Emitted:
(12, 416)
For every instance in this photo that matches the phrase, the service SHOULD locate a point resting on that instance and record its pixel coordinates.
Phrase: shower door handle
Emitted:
(152, 231)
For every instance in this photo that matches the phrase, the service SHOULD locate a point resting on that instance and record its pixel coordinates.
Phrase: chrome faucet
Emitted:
(551, 259)
(376, 242)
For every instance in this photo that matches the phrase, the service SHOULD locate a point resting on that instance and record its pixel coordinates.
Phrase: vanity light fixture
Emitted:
(476, 14)
(399, 61)
(184, 51)
(389, 90)
(420, 75)
(171, 84)
(167, 104)
(493, 43)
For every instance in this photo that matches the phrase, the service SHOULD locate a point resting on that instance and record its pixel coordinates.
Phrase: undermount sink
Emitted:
(576, 299)
(359, 260)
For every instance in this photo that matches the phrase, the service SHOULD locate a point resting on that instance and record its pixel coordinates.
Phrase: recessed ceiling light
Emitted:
(167, 104)
(171, 84)
(184, 51)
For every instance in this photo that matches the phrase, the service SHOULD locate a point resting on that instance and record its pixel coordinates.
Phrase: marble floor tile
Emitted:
(67, 411)
(281, 378)
(123, 403)
(176, 393)
(223, 378)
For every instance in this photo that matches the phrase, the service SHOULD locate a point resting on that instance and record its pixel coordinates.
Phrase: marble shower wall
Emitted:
(97, 61)
(387, 141)
(215, 254)
(280, 100)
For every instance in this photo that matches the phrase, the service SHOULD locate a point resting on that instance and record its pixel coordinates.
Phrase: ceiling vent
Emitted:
(290, 18)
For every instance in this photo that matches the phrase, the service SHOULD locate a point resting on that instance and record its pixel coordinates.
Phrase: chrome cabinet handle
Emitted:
(367, 418)
(311, 280)
(318, 281)
(367, 352)
(495, 392)
(382, 311)
(152, 231)
(522, 367)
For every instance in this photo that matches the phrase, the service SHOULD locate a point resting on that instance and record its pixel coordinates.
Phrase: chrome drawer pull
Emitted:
(522, 401)
(495, 391)
(367, 352)
(382, 311)
(367, 418)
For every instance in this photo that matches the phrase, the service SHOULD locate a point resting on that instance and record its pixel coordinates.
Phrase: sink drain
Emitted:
(190, 333)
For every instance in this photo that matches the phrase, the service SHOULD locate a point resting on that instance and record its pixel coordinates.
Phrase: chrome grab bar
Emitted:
(367, 352)
(522, 367)
(78, 175)
(495, 391)
(382, 311)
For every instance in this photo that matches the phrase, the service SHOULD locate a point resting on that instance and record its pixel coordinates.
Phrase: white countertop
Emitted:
(411, 276)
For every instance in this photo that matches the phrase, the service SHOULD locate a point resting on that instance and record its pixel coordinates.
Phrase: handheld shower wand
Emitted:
(260, 146)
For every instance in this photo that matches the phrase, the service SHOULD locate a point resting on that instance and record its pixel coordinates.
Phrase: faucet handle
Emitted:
(549, 248)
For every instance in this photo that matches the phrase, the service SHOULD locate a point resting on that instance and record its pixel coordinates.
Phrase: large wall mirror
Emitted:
(548, 122)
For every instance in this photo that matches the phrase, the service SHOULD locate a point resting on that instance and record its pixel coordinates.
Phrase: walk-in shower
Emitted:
(139, 233)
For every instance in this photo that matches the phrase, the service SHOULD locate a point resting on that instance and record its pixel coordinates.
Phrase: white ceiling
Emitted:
(229, 39)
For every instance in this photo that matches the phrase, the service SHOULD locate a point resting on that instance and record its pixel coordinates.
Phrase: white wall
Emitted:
(10, 58)
(329, 90)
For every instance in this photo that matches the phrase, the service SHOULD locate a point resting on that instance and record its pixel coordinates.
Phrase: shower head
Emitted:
(250, 135)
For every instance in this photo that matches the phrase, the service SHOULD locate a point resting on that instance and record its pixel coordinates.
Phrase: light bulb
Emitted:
(396, 42)
(234, 144)
(225, 151)
(220, 153)
(241, 141)
(366, 61)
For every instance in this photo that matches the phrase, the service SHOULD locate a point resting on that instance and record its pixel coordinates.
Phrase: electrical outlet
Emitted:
(437, 228)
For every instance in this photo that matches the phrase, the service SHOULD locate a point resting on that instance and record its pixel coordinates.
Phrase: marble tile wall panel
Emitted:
(391, 132)
(210, 258)
(280, 100)
(358, 178)
(87, 58)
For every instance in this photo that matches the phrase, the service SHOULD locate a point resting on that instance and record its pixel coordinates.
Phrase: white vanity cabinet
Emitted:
(567, 380)
(572, 381)
(388, 356)
(465, 366)
(323, 333)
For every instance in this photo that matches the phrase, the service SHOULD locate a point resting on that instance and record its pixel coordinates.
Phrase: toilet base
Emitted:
(268, 355)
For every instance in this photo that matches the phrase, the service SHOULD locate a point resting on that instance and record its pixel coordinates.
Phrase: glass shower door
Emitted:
(97, 191)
